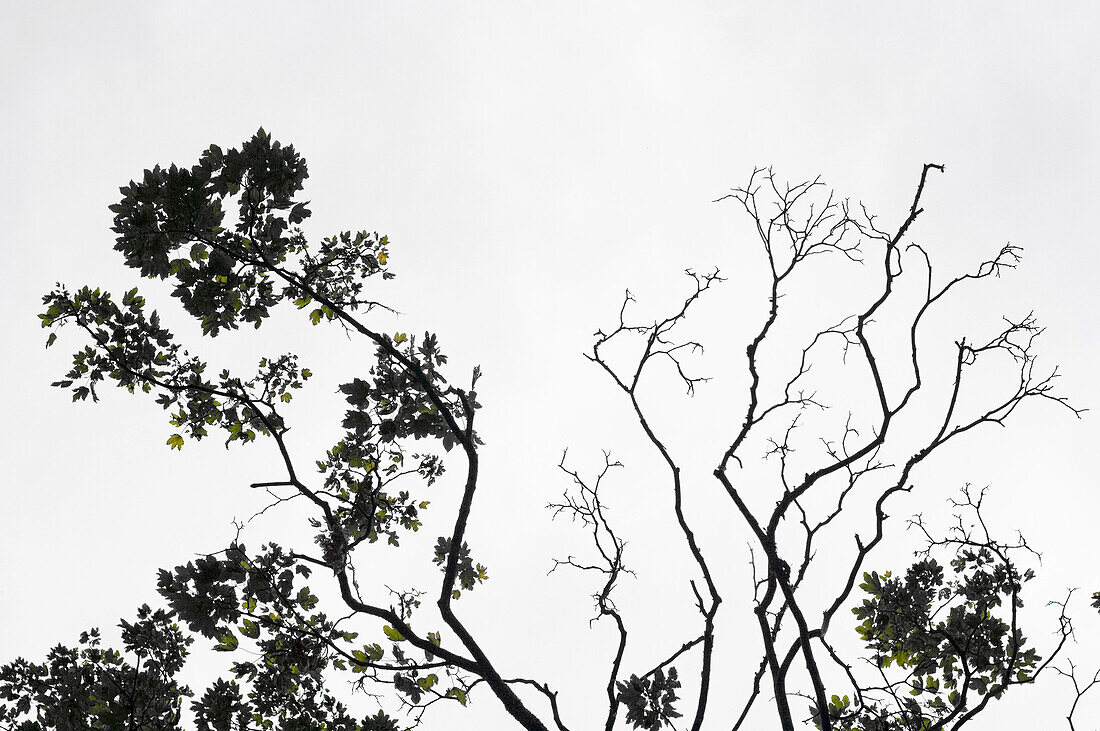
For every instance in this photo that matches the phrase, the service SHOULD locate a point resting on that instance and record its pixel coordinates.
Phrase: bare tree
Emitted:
(924, 626)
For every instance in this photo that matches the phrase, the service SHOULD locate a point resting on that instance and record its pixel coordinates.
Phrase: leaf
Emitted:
(228, 642)
(175, 442)
(393, 634)
(458, 694)
(305, 599)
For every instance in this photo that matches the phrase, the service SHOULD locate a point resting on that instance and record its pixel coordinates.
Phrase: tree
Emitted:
(937, 645)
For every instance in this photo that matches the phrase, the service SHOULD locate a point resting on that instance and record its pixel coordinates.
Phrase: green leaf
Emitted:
(228, 642)
(307, 600)
(393, 634)
(175, 441)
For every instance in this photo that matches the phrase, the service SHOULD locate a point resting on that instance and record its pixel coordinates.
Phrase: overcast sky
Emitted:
(529, 162)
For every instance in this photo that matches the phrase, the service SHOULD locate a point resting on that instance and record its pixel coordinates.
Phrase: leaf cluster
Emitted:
(648, 700)
(93, 687)
(946, 634)
(469, 574)
(172, 223)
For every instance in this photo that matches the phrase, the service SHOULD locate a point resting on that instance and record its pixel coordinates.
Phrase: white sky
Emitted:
(530, 161)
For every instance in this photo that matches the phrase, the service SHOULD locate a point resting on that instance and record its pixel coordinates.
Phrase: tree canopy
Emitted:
(937, 640)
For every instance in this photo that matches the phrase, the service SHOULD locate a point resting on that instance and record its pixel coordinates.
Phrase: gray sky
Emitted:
(529, 161)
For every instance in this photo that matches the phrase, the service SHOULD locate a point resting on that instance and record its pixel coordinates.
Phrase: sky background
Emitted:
(529, 162)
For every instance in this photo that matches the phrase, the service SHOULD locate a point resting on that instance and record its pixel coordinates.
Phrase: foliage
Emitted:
(90, 686)
(954, 642)
(649, 701)
(226, 232)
